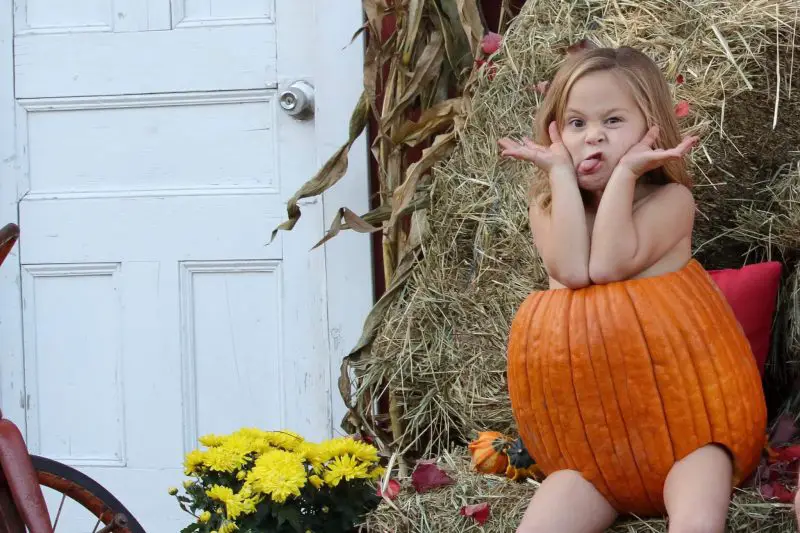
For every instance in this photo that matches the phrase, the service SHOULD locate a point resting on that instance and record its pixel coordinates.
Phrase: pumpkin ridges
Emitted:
(650, 314)
(618, 372)
(589, 403)
(745, 373)
(560, 376)
(536, 430)
(688, 317)
(758, 412)
(661, 295)
(517, 349)
(749, 374)
(617, 375)
(645, 413)
(551, 455)
(602, 372)
(727, 367)
(720, 372)
(523, 393)
(685, 328)
(556, 354)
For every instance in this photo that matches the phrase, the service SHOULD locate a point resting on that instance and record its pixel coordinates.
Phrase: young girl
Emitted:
(612, 203)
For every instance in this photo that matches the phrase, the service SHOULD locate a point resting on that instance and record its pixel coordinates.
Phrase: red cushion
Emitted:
(752, 293)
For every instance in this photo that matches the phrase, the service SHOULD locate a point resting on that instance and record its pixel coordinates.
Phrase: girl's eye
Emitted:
(615, 120)
(576, 123)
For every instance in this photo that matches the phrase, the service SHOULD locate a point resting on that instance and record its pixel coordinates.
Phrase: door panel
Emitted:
(154, 162)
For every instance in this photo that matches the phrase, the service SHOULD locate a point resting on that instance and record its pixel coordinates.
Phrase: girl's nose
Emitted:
(595, 135)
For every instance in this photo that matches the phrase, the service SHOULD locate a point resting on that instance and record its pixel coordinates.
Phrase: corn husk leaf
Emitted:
(331, 172)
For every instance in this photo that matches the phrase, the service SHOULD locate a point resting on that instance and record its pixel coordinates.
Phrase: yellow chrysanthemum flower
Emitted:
(315, 480)
(172, 491)
(244, 502)
(377, 472)
(311, 452)
(226, 458)
(286, 440)
(345, 467)
(227, 527)
(278, 474)
(220, 493)
(341, 446)
(252, 439)
(193, 461)
(188, 484)
(211, 440)
(250, 433)
(241, 443)
(204, 517)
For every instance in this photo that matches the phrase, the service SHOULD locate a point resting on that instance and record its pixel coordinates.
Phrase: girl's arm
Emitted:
(624, 242)
(561, 236)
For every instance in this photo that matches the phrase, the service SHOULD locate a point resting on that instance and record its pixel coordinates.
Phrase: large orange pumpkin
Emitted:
(620, 381)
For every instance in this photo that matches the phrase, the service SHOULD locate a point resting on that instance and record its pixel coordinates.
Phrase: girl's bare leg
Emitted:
(567, 503)
(697, 491)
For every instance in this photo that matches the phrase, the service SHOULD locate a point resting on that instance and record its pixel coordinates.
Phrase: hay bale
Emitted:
(437, 511)
(769, 224)
(441, 346)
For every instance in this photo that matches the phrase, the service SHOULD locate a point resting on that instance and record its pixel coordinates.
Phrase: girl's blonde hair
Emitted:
(649, 90)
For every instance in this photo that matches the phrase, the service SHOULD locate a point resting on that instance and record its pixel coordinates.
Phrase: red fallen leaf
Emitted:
(777, 491)
(491, 43)
(679, 80)
(392, 489)
(682, 109)
(427, 476)
(478, 511)
(788, 453)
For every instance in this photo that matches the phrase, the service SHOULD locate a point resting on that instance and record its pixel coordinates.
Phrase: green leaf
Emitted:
(191, 527)
(292, 515)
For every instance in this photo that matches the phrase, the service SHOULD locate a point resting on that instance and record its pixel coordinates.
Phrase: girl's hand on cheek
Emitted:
(551, 158)
(642, 157)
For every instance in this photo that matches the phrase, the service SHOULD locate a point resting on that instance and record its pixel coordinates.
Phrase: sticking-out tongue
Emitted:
(588, 165)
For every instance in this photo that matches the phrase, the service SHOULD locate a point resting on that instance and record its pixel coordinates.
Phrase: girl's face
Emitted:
(601, 123)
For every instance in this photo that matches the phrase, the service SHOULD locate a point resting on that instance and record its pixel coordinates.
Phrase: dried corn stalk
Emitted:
(415, 82)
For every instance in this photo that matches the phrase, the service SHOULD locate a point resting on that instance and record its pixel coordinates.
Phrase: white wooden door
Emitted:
(147, 165)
